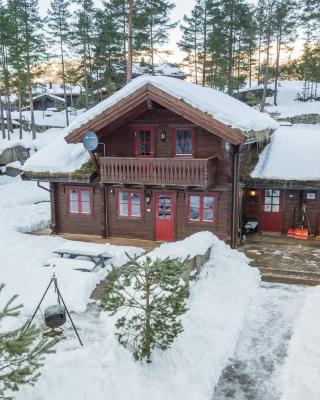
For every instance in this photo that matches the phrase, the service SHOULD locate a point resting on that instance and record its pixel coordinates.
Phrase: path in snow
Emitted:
(253, 372)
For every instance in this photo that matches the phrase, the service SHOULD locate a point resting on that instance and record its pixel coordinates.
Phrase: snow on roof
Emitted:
(48, 95)
(58, 157)
(220, 106)
(292, 154)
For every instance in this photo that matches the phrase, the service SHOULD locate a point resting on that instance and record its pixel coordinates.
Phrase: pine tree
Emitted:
(59, 28)
(82, 37)
(151, 26)
(150, 296)
(22, 351)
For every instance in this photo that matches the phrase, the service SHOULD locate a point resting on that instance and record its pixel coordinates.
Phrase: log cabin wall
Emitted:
(65, 222)
(291, 210)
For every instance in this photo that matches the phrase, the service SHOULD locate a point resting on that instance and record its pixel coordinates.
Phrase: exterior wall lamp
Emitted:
(148, 197)
(163, 136)
(253, 193)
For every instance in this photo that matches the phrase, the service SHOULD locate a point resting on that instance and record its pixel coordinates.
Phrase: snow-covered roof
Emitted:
(52, 96)
(58, 157)
(218, 105)
(292, 154)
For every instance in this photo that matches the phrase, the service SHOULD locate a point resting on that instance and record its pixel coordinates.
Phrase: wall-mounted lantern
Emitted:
(253, 193)
(163, 136)
(148, 197)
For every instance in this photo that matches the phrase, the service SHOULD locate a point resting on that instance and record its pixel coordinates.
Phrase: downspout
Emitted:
(105, 206)
(42, 187)
(234, 199)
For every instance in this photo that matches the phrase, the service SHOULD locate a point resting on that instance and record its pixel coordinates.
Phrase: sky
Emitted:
(182, 7)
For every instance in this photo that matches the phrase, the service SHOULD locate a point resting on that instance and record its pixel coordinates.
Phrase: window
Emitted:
(272, 200)
(144, 137)
(184, 141)
(79, 201)
(129, 204)
(201, 208)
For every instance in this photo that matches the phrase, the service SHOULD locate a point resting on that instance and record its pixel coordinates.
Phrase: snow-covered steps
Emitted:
(290, 276)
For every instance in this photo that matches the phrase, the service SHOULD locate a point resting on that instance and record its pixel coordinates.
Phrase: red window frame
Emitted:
(193, 140)
(129, 204)
(202, 208)
(137, 142)
(79, 201)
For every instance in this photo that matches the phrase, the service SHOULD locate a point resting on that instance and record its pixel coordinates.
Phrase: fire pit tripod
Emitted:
(55, 315)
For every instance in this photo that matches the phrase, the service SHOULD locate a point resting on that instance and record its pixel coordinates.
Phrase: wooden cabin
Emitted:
(283, 190)
(167, 164)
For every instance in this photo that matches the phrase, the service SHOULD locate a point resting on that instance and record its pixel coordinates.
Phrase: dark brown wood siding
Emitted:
(75, 223)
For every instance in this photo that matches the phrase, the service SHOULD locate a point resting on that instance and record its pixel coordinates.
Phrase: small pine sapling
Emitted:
(22, 351)
(151, 296)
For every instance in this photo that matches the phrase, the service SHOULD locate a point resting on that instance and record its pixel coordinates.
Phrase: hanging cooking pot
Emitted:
(55, 316)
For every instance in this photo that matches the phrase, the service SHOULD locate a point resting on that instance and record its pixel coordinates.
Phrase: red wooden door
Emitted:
(165, 206)
(271, 210)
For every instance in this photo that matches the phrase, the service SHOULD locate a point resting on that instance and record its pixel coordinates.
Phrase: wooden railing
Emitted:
(158, 171)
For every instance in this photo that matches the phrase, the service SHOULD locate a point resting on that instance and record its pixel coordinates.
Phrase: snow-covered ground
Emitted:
(54, 119)
(102, 368)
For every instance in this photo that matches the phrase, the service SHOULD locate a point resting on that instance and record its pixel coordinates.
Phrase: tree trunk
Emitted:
(3, 129)
(129, 60)
(266, 71)
(195, 53)
(277, 67)
(64, 80)
(148, 317)
(151, 46)
(230, 54)
(204, 65)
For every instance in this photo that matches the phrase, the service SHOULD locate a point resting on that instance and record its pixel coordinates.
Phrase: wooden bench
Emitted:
(78, 265)
(96, 254)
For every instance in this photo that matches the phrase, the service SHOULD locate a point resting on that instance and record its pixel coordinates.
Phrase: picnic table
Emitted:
(65, 263)
(95, 253)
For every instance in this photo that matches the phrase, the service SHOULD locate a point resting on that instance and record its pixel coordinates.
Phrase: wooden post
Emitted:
(129, 61)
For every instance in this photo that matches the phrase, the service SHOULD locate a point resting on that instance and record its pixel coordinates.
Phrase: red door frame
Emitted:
(152, 140)
(271, 221)
(164, 229)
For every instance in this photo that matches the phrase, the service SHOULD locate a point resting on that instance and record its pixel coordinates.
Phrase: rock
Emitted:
(13, 171)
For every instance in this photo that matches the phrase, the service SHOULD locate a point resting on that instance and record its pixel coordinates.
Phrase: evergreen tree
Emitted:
(150, 295)
(151, 26)
(22, 351)
(59, 27)
(83, 34)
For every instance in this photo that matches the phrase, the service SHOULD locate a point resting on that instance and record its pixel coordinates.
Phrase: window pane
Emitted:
(276, 193)
(135, 205)
(85, 196)
(268, 192)
(123, 203)
(147, 149)
(85, 207)
(194, 214)
(275, 208)
(208, 214)
(208, 202)
(195, 201)
(74, 206)
(276, 200)
(147, 136)
(267, 200)
(183, 141)
(123, 197)
(267, 208)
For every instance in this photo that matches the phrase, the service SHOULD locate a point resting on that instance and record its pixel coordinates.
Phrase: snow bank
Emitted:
(189, 370)
(293, 154)
(300, 377)
(193, 245)
(57, 157)
(220, 106)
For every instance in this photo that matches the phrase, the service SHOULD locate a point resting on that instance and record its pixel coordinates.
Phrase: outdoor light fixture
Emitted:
(163, 136)
(148, 198)
(252, 193)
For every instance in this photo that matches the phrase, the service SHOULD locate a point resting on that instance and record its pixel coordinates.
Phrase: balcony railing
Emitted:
(158, 171)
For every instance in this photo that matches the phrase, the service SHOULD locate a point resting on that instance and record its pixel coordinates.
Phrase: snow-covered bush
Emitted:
(150, 295)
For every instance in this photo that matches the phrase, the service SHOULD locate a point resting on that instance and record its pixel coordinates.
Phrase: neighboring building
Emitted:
(283, 190)
(50, 93)
(170, 168)
(163, 69)
(46, 100)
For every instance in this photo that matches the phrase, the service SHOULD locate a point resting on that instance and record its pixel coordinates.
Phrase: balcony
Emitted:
(158, 171)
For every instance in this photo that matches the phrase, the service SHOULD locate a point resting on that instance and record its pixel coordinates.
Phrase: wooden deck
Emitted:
(144, 244)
